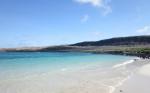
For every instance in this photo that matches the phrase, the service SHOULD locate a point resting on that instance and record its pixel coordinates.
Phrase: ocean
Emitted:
(62, 72)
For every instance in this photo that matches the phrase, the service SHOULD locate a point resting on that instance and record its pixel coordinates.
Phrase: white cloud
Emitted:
(85, 18)
(107, 10)
(92, 2)
(102, 4)
(144, 30)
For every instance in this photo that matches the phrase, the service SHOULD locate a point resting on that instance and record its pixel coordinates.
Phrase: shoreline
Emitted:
(91, 79)
(138, 82)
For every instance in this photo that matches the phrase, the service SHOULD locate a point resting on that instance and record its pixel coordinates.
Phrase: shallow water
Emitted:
(43, 72)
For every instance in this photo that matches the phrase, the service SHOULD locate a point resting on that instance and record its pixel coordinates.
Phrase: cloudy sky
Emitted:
(55, 22)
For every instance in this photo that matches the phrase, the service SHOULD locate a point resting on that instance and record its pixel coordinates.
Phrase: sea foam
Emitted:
(124, 63)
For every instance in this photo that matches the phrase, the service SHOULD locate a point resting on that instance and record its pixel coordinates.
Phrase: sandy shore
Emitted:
(137, 83)
(92, 80)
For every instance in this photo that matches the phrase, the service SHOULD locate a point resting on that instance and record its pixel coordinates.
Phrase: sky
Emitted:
(58, 22)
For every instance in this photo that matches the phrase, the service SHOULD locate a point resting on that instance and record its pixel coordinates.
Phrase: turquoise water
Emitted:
(13, 64)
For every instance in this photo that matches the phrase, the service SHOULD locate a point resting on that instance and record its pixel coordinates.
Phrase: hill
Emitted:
(132, 40)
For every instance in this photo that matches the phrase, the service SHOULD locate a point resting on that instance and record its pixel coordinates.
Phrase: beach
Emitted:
(69, 72)
(139, 82)
(74, 46)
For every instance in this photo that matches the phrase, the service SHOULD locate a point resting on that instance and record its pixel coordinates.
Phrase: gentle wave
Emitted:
(113, 88)
(125, 63)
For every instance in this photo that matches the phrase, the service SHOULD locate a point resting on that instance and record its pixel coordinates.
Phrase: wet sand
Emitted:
(137, 83)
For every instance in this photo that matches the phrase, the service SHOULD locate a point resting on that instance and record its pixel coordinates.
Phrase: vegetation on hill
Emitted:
(132, 40)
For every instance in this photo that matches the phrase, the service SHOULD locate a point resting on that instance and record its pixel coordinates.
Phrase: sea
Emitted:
(63, 72)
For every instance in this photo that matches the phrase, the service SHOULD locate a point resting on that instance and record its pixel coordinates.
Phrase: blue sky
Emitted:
(55, 22)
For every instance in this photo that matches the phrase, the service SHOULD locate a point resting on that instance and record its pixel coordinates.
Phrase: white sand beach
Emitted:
(145, 70)
(138, 82)
(91, 80)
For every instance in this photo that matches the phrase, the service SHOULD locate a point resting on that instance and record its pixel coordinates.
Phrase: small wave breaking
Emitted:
(124, 63)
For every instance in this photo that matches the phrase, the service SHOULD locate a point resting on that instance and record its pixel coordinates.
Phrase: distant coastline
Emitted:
(134, 46)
